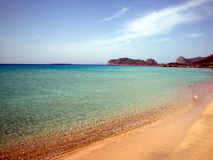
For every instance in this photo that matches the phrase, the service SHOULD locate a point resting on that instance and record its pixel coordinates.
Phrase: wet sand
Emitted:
(185, 134)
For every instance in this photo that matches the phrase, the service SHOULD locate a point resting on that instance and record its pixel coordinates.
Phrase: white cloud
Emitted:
(158, 22)
(116, 15)
(195, 35)
(164, 40)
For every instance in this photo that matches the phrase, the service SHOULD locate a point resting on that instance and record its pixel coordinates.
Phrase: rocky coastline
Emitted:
(197, 62)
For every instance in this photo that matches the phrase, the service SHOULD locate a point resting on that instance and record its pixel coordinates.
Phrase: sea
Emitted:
(48, 110)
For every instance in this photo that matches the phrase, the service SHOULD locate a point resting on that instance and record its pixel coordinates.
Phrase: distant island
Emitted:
(197, 62)
(60, 64)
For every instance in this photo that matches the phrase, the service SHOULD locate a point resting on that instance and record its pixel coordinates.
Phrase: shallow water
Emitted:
(79, 104)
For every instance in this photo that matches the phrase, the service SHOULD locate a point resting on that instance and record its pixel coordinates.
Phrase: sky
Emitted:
(95, 31)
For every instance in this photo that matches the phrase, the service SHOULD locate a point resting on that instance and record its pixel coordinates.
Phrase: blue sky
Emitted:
(94, 31)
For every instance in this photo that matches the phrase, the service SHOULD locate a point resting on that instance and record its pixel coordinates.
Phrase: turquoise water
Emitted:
(40, 100)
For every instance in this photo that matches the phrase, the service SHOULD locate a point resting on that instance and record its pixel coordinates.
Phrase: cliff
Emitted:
(136, 62)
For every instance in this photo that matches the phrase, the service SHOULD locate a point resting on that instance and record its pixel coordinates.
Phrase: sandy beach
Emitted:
(182, 135)
(198, 142)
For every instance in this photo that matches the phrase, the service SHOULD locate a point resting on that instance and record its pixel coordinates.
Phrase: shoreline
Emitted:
(159, 140)
(142, 142)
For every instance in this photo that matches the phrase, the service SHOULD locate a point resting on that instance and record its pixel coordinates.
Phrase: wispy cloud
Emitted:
(195, 35)
(116, 15)
(164, 40)
(158, 22)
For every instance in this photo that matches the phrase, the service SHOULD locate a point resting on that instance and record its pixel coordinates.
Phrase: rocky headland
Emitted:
(197, 62)
(135, 62)
(183, 60)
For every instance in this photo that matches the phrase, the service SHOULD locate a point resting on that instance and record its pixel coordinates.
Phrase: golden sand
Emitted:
(198, 142)
(188, 136)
